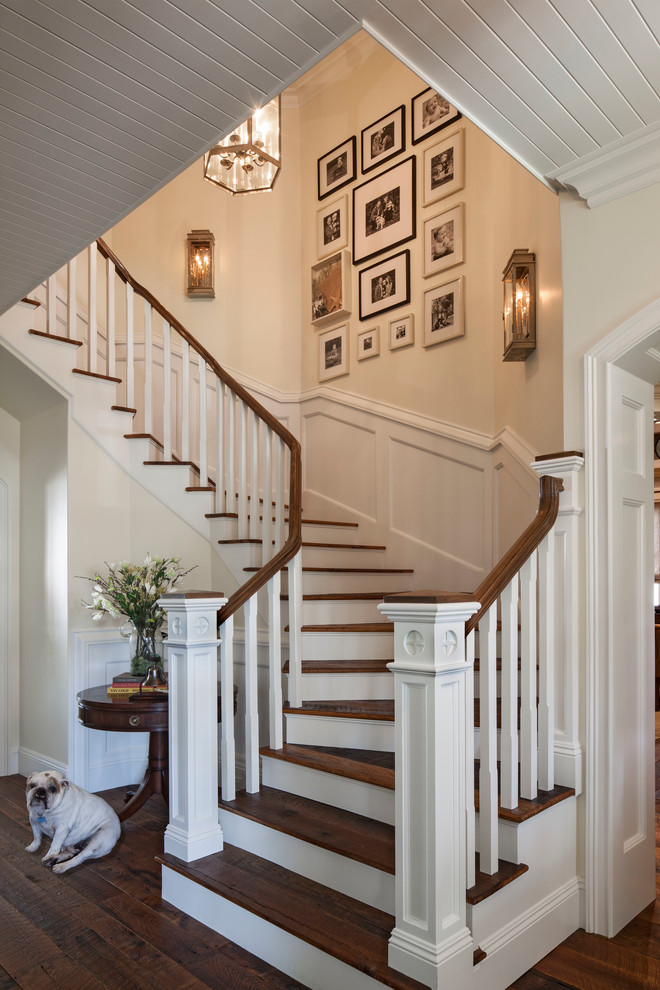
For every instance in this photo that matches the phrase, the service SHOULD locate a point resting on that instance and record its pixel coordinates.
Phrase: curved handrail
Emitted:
(494, 583)
(294, 539)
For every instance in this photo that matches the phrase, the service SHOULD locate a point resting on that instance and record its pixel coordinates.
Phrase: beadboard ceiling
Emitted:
(103, 101)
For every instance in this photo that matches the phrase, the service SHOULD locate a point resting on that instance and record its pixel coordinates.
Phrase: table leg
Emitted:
(156, 776)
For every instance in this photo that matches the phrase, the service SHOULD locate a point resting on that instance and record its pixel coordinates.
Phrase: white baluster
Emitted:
(280, 454)
(251, 698)
(51, 302)
(470, 817)
(71, 300)
(528, 724)
(242, 473)
(228, 741)
(130, 347)
(220, 484)
(185, 400)
(256, 528)
(509, 695)
(295, 633)
(275, 663)
(167, 393)
(546, 766)
(110, 316)
(148, 370)
(91, 307)
(231, 451)
(266, 487)
(203, 454)
(488, 835)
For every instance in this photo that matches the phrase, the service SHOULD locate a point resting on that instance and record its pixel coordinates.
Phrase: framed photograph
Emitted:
(384, 139)
(331, 290)
(337, 168)
(444, 167)
(443, 312)
(402, 332)
(368, 343)
(443, 241)
(332, 227)
(333, 353)
(385, 285)
(384, 213)
(430, 113)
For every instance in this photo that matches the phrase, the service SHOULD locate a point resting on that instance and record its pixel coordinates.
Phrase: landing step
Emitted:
(342, 832)
(340, 926)
(367, 765)
(342, 667)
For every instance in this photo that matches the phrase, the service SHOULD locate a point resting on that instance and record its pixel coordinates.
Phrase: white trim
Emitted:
(623, 167)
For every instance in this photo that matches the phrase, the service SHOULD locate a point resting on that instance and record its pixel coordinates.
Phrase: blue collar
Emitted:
(41, 818)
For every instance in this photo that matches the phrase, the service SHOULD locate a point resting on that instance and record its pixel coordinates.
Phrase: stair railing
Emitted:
(521, 588)
(193, 413)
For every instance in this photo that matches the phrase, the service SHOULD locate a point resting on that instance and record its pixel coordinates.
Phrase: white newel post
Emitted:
(431, 942)
(567, 536)
(192, 651)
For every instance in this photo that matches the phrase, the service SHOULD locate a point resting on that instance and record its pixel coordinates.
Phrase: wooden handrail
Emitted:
(494, 584)
(294, 539)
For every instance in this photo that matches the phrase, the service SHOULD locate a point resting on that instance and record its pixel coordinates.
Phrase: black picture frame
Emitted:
(384, 285)
(384, 211)
(336, 168)
(427, 119)
(384, 139)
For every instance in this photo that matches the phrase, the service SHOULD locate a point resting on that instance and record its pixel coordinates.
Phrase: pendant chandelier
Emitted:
(248, 159)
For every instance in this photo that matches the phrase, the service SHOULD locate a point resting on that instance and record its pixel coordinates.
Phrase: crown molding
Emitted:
(625, 166)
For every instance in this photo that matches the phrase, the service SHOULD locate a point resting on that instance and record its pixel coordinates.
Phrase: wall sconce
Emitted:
(200, 269)
(250, 158)
(519, 280)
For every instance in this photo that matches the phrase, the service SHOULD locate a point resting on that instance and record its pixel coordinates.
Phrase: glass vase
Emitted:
(146, 646)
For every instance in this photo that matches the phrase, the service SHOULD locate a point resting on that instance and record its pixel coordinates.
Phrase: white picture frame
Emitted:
(402, 332)
(444, 167)
(443, 241)
(332, 227)
(333, 353)
(444, 316)
(368, 343)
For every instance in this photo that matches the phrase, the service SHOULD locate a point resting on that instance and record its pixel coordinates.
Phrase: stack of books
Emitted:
(127, 684)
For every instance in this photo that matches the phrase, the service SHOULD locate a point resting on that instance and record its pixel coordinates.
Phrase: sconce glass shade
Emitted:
(249, 159)
(200, 267)
(519, 315)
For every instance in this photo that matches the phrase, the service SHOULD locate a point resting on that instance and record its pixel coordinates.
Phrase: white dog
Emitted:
(81, 825)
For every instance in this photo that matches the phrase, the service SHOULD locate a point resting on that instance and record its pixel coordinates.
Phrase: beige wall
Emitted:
(265, 246)
(253, 323)
(462, 381)
(611, 261)
(10, 442)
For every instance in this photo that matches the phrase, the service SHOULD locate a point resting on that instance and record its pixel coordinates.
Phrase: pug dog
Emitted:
(81, 825)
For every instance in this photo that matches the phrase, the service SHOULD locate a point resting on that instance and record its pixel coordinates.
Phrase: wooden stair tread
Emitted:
(526, 808)
(369, 766)
(346, 596)
(142, 436)
(96, 374)
(353, 627)
(346, 570)
(344, 546)
(329, 522)
(486, 884)
(53, 336)
(127, 409)
(342, 667)
(343, 832)
(381, 710)
(342, 926)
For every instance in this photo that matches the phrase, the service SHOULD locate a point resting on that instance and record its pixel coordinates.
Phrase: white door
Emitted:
(631, 825)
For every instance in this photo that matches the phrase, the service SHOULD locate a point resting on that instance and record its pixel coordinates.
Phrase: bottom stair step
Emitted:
(348, 934)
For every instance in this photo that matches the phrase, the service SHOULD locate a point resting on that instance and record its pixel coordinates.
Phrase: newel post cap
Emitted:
(429, 629)
(192, 616)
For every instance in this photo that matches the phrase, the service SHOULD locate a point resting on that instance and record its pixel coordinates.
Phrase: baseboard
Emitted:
(29, 762)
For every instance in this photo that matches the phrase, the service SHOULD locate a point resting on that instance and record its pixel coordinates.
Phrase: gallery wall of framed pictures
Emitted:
(400, 202)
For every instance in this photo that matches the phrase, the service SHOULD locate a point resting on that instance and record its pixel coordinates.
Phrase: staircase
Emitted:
(311, 877)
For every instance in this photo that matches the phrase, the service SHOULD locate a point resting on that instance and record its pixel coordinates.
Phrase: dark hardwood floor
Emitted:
(104, 925)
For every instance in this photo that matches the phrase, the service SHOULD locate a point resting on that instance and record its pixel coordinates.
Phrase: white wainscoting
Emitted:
(100, 760)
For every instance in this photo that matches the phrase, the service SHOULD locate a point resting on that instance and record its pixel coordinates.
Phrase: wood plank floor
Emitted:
(104, 926)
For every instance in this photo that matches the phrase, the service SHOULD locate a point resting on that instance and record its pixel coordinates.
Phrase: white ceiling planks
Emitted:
(102, 103)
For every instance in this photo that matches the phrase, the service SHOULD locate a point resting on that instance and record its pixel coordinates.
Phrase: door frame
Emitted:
(635, 347)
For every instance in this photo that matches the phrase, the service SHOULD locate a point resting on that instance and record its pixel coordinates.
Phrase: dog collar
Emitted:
(41, 818)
